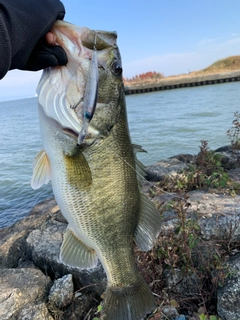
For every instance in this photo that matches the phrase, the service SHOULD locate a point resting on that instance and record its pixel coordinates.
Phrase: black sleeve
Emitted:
(23, 24)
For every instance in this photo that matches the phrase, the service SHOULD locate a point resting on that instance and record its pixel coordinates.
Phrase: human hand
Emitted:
(45, 54)
(24, 36)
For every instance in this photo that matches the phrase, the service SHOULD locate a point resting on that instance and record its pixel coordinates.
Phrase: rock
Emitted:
(61, 293)
(179, 282)
(170, 312)
(227, 149)
(36, 312)
(230, 157)
(12, 239)
(217, 215)
(184, 157)
(228, 296)
(234, 174)
(82, 304)
(165, 168)
(20, 288)
(170, 167)
(43, 248)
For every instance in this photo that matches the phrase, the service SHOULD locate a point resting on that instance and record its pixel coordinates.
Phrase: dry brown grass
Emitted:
(224, 65)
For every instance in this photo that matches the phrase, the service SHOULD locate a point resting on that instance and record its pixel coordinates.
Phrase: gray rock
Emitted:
(61, 293)
(185, 157)
(170, 167)
(43, 248)
(35, 312)
(230, 158)
(234, 174)
(218, 215)
(19, 288)
(12, 239)
(165, 168)
(228, 296)
(179, 282)
(227, 148)
(170, 312)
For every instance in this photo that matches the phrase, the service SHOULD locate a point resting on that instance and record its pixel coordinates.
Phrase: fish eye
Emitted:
(117, 68)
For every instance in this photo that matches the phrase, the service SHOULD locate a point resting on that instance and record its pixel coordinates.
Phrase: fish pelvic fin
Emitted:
(149, 224)
(75, 253)
(41, 170)
(127, 303)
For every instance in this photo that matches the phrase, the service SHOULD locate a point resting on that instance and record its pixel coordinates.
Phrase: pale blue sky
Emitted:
(167, 36)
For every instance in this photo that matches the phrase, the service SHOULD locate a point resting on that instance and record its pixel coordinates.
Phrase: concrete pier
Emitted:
(183, 81)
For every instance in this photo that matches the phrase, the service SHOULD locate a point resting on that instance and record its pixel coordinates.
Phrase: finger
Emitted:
(50, 38)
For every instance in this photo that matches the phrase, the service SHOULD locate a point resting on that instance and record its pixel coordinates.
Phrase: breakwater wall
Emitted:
(183, 82)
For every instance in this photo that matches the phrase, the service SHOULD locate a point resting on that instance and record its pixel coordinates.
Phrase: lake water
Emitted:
(165, 123)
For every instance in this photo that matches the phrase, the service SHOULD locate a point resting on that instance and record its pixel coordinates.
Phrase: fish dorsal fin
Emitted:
(76, 253)
(137, 148)
(149, 224)
(41, 170)
(140, 168)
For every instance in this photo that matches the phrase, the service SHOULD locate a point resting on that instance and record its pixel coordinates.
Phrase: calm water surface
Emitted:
(164, 123)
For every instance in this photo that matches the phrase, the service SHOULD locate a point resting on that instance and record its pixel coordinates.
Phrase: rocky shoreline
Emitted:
(36, 285)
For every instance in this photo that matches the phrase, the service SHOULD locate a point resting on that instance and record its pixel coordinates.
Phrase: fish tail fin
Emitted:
(128, 303)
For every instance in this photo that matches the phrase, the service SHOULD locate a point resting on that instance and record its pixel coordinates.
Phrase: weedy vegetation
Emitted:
(205, 173)
(180, 252)
(234, 132)
(197, 267)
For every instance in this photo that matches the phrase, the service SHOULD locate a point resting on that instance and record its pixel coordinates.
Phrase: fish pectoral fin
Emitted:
(76, 253)
(41, 170)
(149, 224)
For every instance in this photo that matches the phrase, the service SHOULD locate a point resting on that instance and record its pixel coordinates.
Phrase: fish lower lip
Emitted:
(70, 132)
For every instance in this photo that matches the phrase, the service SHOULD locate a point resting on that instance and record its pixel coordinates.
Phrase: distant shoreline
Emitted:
(181, 81)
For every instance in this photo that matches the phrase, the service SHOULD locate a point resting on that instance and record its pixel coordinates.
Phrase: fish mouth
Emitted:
(69, 94)
(91, 135)
(69, 132)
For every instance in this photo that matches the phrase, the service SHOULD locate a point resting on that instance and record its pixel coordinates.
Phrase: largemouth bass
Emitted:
(96, 180)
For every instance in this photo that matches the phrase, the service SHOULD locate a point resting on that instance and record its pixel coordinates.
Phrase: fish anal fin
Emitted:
(75, 253)
(41, 170)
(149, 224)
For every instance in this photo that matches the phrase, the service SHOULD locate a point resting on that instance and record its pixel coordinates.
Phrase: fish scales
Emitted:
(96, 183)
(113, 200)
